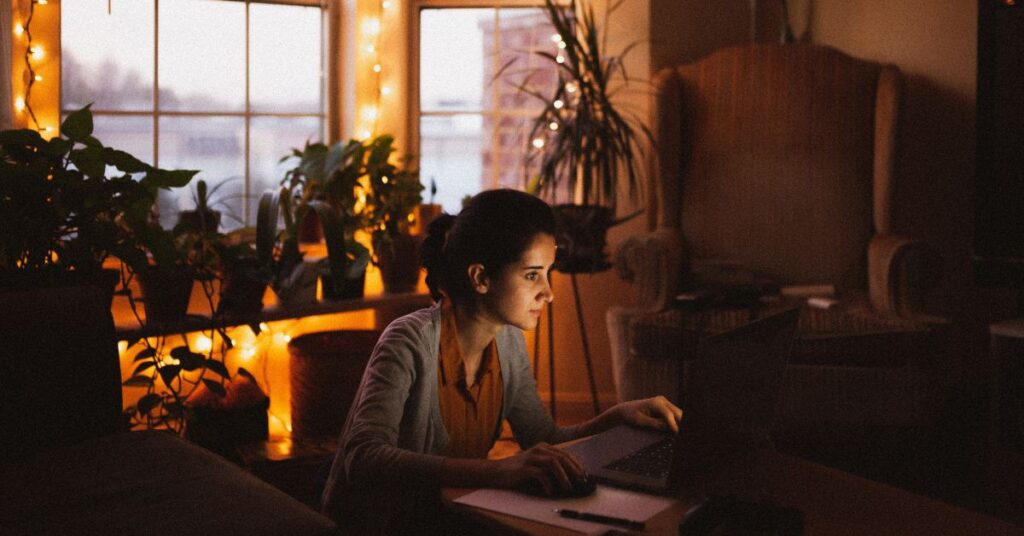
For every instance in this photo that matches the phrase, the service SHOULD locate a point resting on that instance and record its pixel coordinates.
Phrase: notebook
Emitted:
(730, 395)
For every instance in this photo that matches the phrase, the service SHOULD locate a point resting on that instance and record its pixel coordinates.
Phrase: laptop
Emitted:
(730, 394)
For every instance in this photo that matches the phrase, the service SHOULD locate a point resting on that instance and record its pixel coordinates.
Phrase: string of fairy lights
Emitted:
(370, 28)
(33, 54)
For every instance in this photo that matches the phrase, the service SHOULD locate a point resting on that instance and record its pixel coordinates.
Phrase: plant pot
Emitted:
(399, 263)
(351, 289)
(310, 231)
(325, 370)
(581, 237)
(241, 292)
(195, 220)
(165, 294)
(299, 288)
(425, 213)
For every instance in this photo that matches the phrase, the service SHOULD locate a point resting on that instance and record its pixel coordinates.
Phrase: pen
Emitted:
(598, 518)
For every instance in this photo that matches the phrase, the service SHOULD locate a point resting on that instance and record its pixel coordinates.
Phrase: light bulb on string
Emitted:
(19, 29)
(377, 68)
(385, 90)
(19, 104)
(371, 26)
(36, 52)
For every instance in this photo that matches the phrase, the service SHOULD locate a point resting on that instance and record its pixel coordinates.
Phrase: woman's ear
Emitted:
(478, 278)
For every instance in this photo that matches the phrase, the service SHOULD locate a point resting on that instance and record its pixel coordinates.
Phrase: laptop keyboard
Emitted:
(654, 460)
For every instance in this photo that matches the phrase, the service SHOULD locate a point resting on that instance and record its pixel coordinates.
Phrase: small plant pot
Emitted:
(424, 214)
(165, 294)
(299, 288)
(325, 371)
(351, 289)
(241, 292)
(310, 231)
(399, 263)
(206, 221)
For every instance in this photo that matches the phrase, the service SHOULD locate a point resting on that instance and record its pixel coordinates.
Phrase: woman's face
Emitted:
(518, 294)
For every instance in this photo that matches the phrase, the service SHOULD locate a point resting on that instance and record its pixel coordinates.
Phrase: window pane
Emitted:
(452, 55)
(107, 59)
(273, 138)
(523, 32)
(216, 147)
(202, 56)
(452, 148)
(132, 134)
(503, 158)
(285, 52)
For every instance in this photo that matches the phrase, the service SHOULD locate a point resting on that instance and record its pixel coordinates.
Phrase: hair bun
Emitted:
(432, 253)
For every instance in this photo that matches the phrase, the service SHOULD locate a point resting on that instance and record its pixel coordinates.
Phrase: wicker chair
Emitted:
(779, 159)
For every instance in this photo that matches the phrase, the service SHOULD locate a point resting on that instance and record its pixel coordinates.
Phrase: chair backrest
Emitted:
(778, 157)
(60, 378)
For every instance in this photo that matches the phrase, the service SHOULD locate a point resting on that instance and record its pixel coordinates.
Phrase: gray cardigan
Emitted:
(394, 430)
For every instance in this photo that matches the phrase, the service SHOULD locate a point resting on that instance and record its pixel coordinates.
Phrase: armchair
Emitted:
(780, 159)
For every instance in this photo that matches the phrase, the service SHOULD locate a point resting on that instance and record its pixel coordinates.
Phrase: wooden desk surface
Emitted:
(833, 502)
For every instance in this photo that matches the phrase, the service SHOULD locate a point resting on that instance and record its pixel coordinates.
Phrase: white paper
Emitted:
(607, 501)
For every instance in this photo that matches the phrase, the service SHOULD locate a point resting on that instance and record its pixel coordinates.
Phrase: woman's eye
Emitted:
(532, 276)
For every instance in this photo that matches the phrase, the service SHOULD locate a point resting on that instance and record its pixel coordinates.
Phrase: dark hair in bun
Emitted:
(494, 229)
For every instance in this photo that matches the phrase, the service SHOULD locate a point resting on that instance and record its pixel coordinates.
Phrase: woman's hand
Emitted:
(553, 468)
(656, 412)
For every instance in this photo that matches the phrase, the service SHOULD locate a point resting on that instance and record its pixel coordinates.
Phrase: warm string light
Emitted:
(33, 52)
(371, 32)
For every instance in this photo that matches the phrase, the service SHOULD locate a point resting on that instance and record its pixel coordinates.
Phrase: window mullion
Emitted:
(156, 83)
(247, 186)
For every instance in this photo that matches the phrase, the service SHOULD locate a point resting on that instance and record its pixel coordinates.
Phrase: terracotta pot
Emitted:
(399, 262)
(165, 294)
(325, 370)
(425, 213)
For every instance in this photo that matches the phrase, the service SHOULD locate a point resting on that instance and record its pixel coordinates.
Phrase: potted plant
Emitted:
(394, 196)
(61, 215)
(244, 277)
(206, 216)
(582, 144)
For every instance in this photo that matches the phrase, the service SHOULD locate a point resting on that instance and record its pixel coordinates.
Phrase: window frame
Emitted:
(413, 83)
(247, 113)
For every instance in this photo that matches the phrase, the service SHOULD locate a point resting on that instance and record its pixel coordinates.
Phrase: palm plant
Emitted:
(581, 138)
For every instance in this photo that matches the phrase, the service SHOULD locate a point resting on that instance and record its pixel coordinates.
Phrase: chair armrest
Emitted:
(900, 271)
(653, 262)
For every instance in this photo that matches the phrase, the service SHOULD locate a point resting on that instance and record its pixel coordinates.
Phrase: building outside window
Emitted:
(471, 126)
(225, 87)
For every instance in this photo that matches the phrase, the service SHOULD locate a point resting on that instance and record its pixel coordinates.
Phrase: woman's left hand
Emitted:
(656, 412)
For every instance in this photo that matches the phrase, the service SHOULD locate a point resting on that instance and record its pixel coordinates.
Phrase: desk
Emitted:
(834, 503)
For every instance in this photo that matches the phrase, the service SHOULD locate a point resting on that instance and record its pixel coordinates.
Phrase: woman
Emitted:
(441, 380)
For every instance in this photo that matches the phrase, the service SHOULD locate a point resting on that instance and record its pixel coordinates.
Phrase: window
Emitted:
(471, 126)
(225, 87)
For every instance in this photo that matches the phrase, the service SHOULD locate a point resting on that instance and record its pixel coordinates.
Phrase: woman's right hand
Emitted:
(553, 468)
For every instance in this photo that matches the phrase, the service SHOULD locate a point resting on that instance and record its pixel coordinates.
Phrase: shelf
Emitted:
(409, 301)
